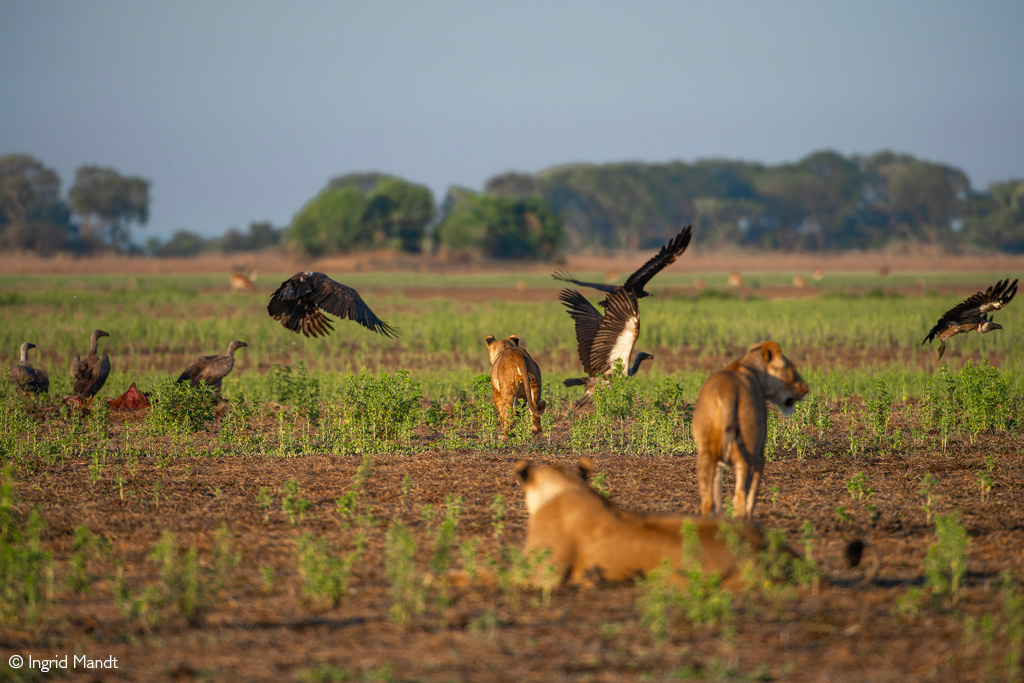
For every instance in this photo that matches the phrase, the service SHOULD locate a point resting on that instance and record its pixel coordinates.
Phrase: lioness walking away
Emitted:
(514, 374)
(730, 423)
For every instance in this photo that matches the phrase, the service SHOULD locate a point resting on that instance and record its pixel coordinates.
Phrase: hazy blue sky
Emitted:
(241, 111)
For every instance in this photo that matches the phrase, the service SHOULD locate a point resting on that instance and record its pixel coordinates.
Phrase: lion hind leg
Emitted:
(504, 407)
(753, 483)
(739, 499)
(716, 487)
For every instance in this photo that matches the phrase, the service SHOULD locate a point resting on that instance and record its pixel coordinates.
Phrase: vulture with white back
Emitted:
(604, 342)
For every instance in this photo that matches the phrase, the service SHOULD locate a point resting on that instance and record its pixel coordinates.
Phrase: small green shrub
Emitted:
(180, 408)
(326, 574)
(945, 565)
(25, 568)
(193, 589)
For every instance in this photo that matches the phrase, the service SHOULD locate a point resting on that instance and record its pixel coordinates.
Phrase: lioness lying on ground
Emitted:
(730, 423)
(514, 375)
(592, 540)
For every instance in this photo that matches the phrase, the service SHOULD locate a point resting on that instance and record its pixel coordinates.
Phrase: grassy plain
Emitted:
(304, 527)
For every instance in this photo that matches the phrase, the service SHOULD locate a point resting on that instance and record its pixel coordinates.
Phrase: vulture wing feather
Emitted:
(587, 319)
(665, 256)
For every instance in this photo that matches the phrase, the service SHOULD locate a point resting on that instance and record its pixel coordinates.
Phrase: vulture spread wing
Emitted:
(637, 281)
(602, 340)
(587, 319)
(666, 256)
(975, 307)
(299, 304)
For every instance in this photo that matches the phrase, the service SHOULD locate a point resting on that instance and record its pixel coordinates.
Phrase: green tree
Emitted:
(32, 216)
(996, 219)
(332, 222)
(502, 228)
(401, 212)
(360, 211)
(109, 202)
(924, 199)
(182, 243)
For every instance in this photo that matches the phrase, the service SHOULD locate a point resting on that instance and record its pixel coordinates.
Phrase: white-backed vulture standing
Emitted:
(604, 342)
(27, 377)
(90, 374)
(211, 369)
(972, 313)
(635, 283)
(299, 304)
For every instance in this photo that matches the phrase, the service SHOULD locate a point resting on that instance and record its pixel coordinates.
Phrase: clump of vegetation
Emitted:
(382, 409)
(193, 589)
(25, 568)
(325, 572)
(945, 565)
(296, 388)
(700, 601)
(180, 408)
(406, 586)
(292, 502)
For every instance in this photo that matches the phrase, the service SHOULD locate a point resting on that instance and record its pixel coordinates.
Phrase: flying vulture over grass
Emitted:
(637, 281)
(27, 377)
(604, 342)
(90, 374)
(300, 302)
(973, 313)
(211, 369)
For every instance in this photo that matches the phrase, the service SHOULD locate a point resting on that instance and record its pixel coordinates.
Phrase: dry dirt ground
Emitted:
(260, 629)
(262, 626)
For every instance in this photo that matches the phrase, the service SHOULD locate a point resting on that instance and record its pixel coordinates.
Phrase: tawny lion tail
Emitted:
(575, 381)
(536, 409)
(859, 553)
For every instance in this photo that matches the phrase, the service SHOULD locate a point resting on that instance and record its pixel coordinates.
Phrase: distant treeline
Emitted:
(824, 202)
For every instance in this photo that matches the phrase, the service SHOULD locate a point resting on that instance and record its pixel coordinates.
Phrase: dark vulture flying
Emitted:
(637, 281)
(90, 374)
(604, 341)
(27, 377)
(211, 369)
(299, 303)
(972, 313)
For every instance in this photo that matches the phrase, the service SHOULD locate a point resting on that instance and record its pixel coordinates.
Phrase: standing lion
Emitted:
(730, 423)
(514, 375)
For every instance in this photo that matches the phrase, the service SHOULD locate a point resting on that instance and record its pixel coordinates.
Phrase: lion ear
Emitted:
(514, 339)
(586, 468)
(770, 350)
(522, 468)
(489, 339)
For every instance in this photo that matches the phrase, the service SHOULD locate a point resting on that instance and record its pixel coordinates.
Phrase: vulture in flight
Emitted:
(973, 313)
(90, 374)
(604, 342)
(27, 377)
(300, 302)
(211, 369)
(636, 282)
